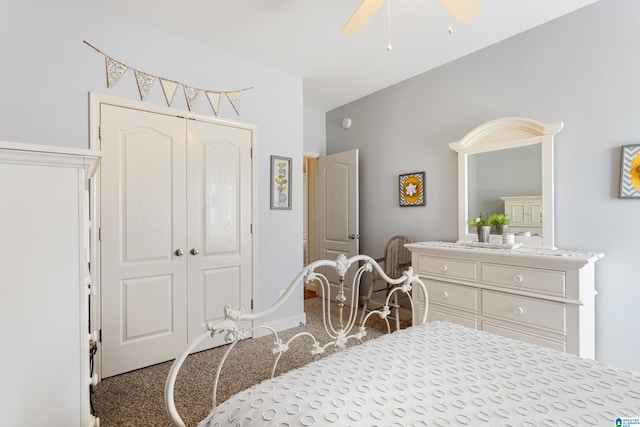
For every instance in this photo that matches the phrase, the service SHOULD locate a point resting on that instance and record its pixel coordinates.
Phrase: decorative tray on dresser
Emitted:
(541, 296)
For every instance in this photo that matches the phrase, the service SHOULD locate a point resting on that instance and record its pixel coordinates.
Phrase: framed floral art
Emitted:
(280, 182)
(412, 189)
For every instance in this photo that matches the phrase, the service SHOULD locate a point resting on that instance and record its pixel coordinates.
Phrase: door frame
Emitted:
(312, 210)
(95, 100)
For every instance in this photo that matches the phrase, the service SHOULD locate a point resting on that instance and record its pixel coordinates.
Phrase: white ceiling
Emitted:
(303, 36)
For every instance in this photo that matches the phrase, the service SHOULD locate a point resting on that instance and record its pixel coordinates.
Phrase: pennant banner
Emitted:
(234, 99)
(145, 81)
(115, 70)
(191, 94)
(169, 88)
(214, 100)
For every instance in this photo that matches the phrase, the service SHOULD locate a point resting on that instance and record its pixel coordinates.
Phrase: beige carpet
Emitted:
(137, 398)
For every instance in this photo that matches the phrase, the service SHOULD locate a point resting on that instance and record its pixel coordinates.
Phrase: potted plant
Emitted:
(500, 221)
(480, 223)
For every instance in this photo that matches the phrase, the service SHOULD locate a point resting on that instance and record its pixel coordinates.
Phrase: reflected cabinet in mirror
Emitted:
(505, 166)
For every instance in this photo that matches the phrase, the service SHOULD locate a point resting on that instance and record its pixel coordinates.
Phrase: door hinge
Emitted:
(100, 233)
(251, 152)
(99, 335)
(250, 228)
(252, 304)
(100, 133)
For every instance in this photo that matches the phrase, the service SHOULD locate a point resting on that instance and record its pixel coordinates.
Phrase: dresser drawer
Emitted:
(457, 296)
(445, 316)
(550, 282)
(540, 340)
(447, 267)
(530, 311)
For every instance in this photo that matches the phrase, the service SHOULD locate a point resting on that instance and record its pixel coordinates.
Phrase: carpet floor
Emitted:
(137, 398)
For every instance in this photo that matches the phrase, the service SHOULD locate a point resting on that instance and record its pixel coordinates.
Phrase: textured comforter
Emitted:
(439, 374)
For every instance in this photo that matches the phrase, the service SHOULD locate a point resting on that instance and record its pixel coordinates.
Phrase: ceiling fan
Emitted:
(463, 11)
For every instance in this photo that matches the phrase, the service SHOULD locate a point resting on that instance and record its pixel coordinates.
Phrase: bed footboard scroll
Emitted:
(337, 333)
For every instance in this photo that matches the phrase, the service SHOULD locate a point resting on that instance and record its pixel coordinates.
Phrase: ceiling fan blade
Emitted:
(361, 17)
(463, 11)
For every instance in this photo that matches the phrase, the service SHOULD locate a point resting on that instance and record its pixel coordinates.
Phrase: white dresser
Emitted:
(44, 285)
(545, 297)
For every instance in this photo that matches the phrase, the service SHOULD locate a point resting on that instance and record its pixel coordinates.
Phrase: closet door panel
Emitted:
(147, 227)
(219, 182)
(143, 220)
(214, 296)
(222, 188)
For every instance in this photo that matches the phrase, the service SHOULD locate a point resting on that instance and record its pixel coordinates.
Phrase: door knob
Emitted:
(195, 251)
(354, 236)
(179, 252)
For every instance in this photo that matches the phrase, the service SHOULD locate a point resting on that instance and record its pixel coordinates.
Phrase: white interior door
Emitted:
(338, 230)
(219, 201)
(176, 245)
(143, 225)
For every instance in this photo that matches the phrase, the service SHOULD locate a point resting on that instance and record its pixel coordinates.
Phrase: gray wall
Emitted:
(582, 69)
(48, 72)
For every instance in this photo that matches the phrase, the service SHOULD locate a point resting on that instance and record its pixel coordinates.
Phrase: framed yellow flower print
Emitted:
(412, 189)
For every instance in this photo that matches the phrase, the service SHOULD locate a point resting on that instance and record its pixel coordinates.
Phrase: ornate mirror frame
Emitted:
(499, 134)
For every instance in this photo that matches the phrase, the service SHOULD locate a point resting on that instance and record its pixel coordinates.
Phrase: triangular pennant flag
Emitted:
(214, 100)
(169, 88)
(115, 70)
(191, 94)
(145, 81)
(234, 99)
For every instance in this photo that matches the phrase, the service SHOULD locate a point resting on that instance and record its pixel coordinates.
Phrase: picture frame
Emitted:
(630, 172)
(280, 182)
(412, 189)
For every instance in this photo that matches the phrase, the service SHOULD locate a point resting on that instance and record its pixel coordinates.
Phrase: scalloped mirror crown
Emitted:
(503, 146)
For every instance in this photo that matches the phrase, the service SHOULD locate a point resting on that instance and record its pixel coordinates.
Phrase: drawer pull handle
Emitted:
(444, 295)
(519, 311)
(443, 268)
(518, 278)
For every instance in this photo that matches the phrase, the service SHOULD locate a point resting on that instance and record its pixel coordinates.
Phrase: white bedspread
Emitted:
(439, 374)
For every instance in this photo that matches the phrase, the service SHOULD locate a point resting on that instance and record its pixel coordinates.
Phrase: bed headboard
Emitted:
(339, 329)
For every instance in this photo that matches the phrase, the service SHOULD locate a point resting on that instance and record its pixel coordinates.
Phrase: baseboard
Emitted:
(312, 286)
(281, 324)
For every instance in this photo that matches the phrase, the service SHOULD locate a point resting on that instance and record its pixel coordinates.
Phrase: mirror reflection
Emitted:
(511, 172)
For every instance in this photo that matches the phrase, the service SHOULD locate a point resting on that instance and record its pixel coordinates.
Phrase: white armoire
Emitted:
(44, 285)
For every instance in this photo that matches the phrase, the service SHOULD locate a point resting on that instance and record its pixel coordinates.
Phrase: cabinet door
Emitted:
(219, 224)
(43, 319)
(519, 213)
(144, 224)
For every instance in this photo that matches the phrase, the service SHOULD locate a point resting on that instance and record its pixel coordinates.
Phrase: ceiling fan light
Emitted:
(361, 17)
(463, 11)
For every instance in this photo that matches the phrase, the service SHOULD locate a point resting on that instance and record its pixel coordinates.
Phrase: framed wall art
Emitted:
(412, 189)
(630, 172)
(280, 182)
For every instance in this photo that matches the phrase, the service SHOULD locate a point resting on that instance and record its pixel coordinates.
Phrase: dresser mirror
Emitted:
(508, 160)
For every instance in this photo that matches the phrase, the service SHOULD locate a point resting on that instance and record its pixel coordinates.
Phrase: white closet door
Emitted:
(144, 226)
(219, 209)
(176, 209)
